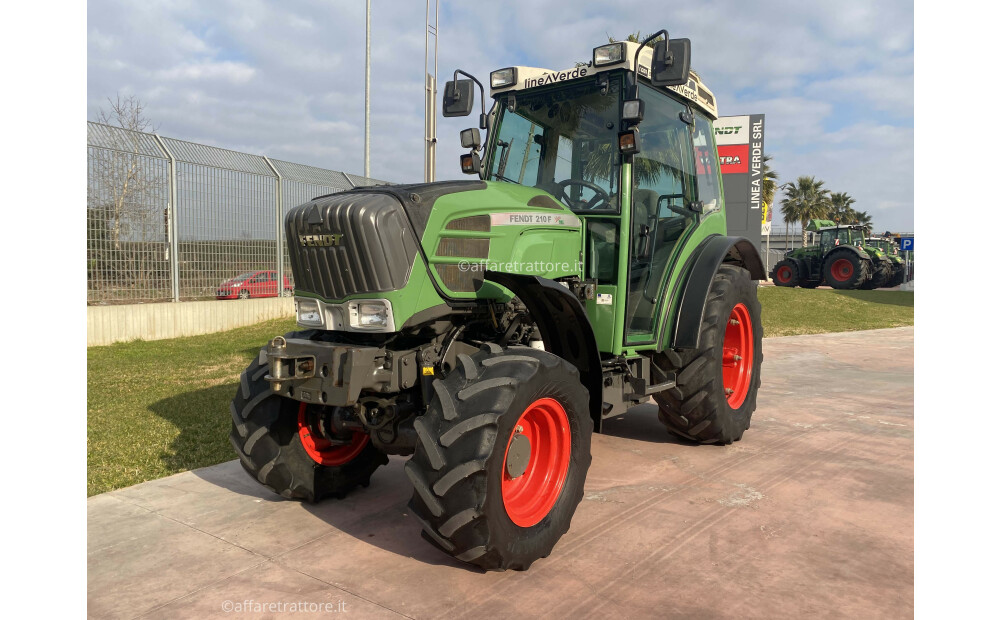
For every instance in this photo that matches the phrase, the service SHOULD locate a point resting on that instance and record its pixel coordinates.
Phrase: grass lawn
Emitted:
(161, 407)
(796, 311)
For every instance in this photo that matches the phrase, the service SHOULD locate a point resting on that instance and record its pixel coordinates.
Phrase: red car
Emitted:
(253, 284)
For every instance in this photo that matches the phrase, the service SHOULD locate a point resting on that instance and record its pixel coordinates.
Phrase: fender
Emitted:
(564, 326)
(861, 253)
(709, 255)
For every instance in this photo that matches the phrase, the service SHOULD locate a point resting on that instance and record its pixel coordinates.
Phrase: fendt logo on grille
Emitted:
(320, 241)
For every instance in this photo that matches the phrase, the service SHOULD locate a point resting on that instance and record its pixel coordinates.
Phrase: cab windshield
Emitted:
(563, 140)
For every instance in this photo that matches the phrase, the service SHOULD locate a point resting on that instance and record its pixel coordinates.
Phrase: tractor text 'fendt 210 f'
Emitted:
(487, 327)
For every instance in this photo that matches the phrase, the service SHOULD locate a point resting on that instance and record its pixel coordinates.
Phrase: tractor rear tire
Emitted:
(700, 406)
(845, 270)
(501, 457)
(880, 276)
(271, 435)
(786, 273)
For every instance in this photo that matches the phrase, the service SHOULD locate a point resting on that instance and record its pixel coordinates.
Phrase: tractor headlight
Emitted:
(374, 314)
(503, 77)
(609, 54)
(307, 312)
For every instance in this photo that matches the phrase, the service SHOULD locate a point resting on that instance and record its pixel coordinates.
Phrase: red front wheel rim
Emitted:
(784, 274)
(842, 270)
(530, 496)
(321, 450)
(737, 356)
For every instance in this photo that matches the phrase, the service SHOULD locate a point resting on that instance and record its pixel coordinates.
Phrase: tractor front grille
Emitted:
(350, 243)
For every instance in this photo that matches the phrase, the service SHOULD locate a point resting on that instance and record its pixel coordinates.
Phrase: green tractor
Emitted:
(841, 260)
(891, 251)
(488, 327)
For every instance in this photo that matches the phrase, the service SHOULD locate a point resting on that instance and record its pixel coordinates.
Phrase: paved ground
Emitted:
(811, 514)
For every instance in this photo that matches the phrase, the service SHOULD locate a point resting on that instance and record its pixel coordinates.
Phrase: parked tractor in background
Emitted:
(891, 250)
(840, 260)
(488, 327)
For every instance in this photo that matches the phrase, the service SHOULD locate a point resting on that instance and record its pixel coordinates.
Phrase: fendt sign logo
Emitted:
(320, 241)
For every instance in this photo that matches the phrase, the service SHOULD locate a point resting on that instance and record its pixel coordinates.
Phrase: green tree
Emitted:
(840, 210)
(805, 200)
(770, 176)
(864, 219)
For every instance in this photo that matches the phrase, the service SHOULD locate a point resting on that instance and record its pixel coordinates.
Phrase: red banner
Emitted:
(734, 158)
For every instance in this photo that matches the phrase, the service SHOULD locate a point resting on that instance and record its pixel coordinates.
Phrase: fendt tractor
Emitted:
(488, 327)
(891, 250)
(840, 260)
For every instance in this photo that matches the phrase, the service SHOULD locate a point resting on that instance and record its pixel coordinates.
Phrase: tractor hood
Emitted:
(371, 240)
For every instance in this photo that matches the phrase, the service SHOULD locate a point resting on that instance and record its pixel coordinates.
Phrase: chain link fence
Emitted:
(173, 220)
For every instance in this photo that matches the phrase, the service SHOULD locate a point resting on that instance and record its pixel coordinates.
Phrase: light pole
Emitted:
(784, 187)
(368, 79)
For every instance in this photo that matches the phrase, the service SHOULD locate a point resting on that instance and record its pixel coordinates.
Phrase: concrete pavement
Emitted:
(810, 514)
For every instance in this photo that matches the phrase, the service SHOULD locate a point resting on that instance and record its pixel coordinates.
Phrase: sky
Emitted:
(286, 79)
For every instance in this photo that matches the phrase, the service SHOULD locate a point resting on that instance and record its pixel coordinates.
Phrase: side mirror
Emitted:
(671, 63)
(458, 98)
(471, 138)
(471, 163)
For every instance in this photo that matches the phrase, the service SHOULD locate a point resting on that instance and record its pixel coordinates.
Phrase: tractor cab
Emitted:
(841, 235)
(634, 158)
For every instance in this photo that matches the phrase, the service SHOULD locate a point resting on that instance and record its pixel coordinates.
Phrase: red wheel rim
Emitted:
(530, 496)
(784, 274)
(842, 270)
(737, 356)
(321, 450)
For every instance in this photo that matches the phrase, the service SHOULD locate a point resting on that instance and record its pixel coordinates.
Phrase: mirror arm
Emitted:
(666, 37)
(482, 95)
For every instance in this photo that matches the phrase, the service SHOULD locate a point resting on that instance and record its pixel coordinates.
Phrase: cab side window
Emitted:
(707, 163)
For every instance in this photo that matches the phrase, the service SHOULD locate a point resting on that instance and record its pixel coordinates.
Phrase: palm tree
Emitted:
(790, 208)
(841, 211)
(767, 192)
(807, 199)
(636, 37)
(770, 176)
(863, 218)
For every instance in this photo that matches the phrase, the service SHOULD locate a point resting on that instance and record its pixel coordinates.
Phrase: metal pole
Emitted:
(430, 93)
(174, 258)
(368, 79)
(278, 212)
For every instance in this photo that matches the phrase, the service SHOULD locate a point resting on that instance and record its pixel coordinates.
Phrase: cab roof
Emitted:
(694, 91)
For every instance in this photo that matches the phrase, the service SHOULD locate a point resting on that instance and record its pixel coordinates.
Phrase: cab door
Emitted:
(663, 183)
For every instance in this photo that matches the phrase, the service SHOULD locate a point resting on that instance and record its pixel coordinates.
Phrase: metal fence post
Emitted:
(277, 227)
(175, 282)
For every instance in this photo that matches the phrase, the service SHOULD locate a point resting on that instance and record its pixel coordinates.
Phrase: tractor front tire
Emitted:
(716, 384)
(501, 458)
(786, 273)
(845, 270)
(277, 442)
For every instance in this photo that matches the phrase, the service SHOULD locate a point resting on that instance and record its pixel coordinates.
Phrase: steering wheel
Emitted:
(600, 195)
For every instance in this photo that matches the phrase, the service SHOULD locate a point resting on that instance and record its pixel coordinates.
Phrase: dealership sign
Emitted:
(740, 141)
